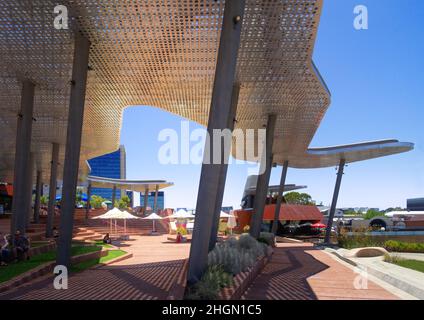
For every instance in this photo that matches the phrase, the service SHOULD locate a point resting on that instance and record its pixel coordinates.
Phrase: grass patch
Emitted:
(111, 254)
(406, 263)
(15, 269)
(104, 245)
(37, 244)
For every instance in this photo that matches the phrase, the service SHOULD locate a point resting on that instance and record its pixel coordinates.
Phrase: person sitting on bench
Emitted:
(5, 249)
(107, 239)
(21, 246)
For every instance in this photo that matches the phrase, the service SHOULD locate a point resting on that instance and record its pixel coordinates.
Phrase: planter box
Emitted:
(243, 280)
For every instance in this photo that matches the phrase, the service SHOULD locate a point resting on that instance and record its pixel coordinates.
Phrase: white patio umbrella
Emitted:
(116, 214)
(181, 214)
(126, 215)
(231, 223)
(224, 215)
(153, 216)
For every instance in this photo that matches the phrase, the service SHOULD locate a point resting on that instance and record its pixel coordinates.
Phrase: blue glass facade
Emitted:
(108, 166)
(151, 200)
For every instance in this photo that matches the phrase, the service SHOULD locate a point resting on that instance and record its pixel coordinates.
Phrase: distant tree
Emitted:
(299, 198)
(96, 201)
(44, 200)
(371, 213)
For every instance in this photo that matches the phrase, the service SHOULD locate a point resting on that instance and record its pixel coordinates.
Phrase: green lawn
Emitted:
(15, 269)
(411, 264)
(36, 244)
(112, 254)
(100, 243)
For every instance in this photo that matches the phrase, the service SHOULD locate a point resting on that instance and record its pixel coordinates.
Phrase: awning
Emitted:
(293, 212)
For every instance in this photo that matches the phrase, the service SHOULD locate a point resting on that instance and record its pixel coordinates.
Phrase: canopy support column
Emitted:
(88, 206)
(334, 202)
(29, 188)
(52, 190)
(280, 197)
(263, 179)
(113, 195)
(22, 154)
(155, 204)
(73, 147)
(218, 119)
(146, 200)
(223, 175)
(38, 187)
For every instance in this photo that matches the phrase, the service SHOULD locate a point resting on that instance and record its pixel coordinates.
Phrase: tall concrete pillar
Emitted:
(279, 197)
(52, 190)
(73, 147)
(263, 179)
(113, 195)
(334, 202)
(30, 172)
(22, 154)
(224, 167)
(155, 204)
(88, 206)
(146, 200)
(38, 187)
(218, 119)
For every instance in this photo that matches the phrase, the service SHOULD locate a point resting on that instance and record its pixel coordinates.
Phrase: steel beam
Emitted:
(113, 195)
(30, 177)
(263, 179)
(22, 154)
(334, 202)
(224, 167)
(155, 203)
(73, 147)
(280, 197)
(87, 207)
(38, 187)
(218, 119)
(146, 200)
(52, 190)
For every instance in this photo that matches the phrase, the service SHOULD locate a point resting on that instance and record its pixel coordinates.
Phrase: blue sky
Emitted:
(376, 80)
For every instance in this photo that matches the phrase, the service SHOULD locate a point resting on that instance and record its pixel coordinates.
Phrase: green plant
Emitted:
(209, 286)
(357, 240)
(299, 198)
(44, 200)
(398, 246)
(96, 201)
(267, 238)
(371, 213)
(392, 258)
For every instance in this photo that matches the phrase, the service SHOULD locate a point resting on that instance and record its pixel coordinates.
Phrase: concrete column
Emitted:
(22, 153)
(38, 187)
(30, 172)
(73, 146)
(279, 197)
(263, 179)
(218, 119)
(224, 167)
(88, 206)
(334, 202)
(113, 195)
(155, 204)
(52, 190)
(146, 200)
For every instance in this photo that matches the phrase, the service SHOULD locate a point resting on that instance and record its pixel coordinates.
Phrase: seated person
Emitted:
(107, 239)
(21, 246)
(55, 232)
(5, 249)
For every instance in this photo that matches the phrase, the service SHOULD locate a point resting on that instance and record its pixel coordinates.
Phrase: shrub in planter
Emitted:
(208, 288)
(399, 246)
(267, 238)
(227, 257)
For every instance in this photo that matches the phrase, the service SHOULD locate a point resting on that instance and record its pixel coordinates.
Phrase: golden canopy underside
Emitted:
(162, 54)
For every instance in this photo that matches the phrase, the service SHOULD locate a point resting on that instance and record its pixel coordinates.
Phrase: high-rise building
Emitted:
(111, 165)
(151, 200)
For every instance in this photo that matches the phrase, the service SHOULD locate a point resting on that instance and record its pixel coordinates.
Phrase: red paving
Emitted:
(300, 272)
(149, 274)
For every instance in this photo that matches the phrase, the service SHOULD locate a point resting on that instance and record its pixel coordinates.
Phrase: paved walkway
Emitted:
(300, 272)
(149, 274)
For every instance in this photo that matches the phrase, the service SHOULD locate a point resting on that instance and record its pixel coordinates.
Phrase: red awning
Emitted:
(294, 213)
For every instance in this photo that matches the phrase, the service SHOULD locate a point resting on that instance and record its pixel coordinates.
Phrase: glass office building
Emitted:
(111, 165)
(151, 200)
